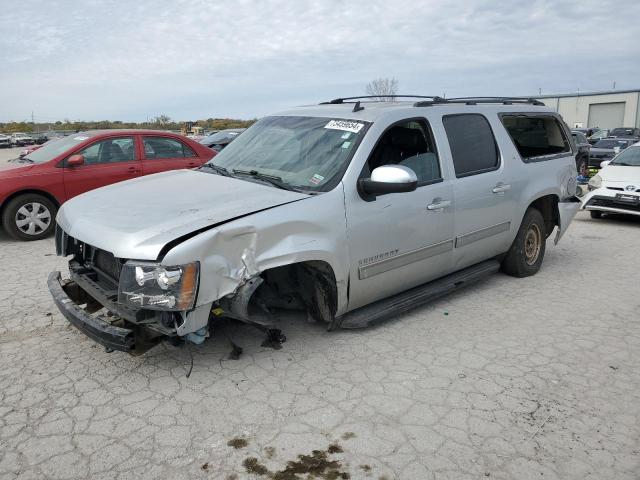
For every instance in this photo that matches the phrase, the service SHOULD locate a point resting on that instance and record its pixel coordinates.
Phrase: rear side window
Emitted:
(473, 147)
(536, 136)
(164, 147)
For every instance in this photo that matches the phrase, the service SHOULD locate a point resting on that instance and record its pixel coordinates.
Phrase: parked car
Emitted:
(599, 135)
(625, 132)
(606, 149)
(221, 139)
(33, 188)
(5, 141)
(21, 139)
(584, 148)
(616, 187)
(42, 139)
(351, 212)
(587, 132)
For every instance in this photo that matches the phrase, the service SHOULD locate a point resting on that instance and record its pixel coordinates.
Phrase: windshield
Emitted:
(309, 153)
(600, 134)
(610, 144)
(53, 148)
(630, 158)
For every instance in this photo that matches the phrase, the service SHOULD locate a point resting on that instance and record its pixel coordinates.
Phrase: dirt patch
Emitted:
(269, 452)
(348, 435)
(205, 466)
(317, 465)
(238, 443)
(253, 466)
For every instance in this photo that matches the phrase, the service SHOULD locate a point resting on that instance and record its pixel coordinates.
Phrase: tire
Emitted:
(525, 256)
(582, 166)
(29, 217)
(595, 213)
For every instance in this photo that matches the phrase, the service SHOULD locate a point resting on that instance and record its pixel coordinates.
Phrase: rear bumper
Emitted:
(67, 298)
(567, 209)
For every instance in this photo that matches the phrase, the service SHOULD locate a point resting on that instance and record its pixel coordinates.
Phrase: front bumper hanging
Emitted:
(68, 297)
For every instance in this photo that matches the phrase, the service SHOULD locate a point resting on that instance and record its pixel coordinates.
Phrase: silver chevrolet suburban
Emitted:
(351, 211)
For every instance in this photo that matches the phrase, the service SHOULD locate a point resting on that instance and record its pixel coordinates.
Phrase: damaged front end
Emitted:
(124, 305)
(131, 305)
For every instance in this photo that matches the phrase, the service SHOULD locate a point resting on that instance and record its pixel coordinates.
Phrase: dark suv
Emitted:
(625, 132)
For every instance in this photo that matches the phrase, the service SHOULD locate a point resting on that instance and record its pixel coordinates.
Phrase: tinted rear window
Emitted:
(473, 147)
(536, 136)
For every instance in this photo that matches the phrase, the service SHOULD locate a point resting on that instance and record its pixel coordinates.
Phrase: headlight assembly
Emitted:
(595, 182)
(159, 287)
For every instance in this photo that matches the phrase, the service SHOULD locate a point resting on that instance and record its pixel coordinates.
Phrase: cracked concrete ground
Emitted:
(509, 379)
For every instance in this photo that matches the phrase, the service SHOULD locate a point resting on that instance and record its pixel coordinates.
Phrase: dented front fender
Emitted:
(233, 253)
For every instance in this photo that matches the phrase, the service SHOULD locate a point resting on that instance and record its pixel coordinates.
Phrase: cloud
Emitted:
(202, 58)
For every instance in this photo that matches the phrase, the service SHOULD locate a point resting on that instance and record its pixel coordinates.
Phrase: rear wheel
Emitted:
(527, 251)
(595, 214)
(29, 217)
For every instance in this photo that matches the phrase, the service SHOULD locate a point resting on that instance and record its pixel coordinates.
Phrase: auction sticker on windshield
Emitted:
(345, 125)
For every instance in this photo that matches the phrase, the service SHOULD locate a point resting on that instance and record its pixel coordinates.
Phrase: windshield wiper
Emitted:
(622, 164)
(271, 179)
(218, 169)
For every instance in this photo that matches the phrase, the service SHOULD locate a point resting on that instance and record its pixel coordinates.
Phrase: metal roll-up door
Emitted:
(606, 115)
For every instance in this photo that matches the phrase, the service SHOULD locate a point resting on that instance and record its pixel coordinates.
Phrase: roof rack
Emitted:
(338, 101)
(477, 100)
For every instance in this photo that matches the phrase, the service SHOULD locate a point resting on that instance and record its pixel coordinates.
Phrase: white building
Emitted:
(610, 109)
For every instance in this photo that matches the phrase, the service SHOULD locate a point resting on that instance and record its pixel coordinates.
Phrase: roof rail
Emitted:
(338, 101)
(477, 100)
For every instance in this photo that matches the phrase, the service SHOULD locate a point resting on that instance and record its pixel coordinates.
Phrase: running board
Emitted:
(387, 308)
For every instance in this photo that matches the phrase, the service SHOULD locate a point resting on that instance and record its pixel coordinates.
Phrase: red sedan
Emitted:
(33, 187)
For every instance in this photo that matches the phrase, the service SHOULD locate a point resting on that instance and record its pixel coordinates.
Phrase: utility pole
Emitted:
(614, 84)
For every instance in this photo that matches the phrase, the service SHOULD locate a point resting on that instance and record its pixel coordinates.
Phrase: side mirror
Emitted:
(389, 179)
(75, 160)
(605, 163)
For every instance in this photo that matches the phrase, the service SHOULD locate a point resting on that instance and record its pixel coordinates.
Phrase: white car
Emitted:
(616, 188)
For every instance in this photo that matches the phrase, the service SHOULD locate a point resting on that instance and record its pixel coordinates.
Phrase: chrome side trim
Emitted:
(471, 237)
(381, 266)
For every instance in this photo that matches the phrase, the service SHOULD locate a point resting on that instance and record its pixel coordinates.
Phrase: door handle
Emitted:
(133, 170)
(438, 204)
(501, 188)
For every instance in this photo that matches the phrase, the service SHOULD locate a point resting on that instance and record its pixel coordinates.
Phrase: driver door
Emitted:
(106, 161)
(401, 240)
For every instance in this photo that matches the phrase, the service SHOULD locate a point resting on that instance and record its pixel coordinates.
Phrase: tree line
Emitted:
(161, 122)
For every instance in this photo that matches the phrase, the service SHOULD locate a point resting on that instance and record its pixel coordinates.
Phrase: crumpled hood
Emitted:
(136, 218)
(620, 173)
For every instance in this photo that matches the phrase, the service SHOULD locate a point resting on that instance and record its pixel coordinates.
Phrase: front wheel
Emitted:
(527, 251)
(29, 217)
(595, 213)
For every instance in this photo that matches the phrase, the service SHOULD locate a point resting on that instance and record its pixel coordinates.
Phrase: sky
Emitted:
(196, 59)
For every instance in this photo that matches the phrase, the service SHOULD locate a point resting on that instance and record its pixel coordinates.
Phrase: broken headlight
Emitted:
(159, 287)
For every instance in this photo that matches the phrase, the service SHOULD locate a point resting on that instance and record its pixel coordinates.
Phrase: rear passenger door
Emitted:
(166, 153)
(483, 190)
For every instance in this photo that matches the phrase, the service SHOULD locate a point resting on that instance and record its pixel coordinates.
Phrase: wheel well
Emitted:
(309, 286)
(26, 192)
(548, 207)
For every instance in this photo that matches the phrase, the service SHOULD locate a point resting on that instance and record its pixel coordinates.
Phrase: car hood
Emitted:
(15, 168)
(620, 173)
(137, 218)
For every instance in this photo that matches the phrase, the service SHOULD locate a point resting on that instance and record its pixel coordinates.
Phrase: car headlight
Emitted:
(159, 287)
(595, 182)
